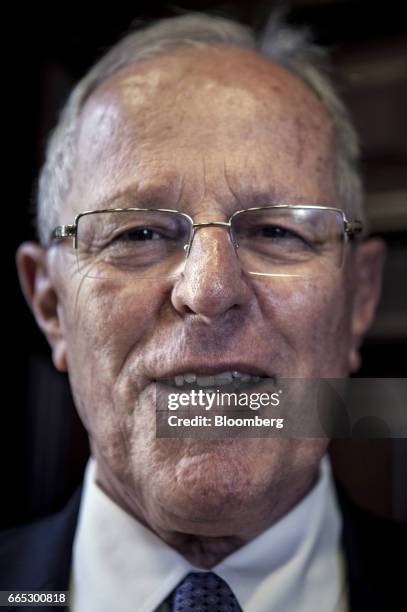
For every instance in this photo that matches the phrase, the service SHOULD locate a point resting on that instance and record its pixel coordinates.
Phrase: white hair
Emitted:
(284, 45)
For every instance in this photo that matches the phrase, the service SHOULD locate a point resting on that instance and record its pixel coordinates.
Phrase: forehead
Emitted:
(217, 118)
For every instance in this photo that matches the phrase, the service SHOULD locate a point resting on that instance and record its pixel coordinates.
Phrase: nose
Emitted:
(212, 282)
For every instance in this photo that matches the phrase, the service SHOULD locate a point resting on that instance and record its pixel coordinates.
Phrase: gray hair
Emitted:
(285, 45)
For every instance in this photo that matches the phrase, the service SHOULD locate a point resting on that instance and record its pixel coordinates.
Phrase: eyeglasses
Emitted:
(279, 240)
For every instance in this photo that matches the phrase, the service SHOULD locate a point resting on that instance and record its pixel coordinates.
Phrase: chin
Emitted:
(209, 487)
(213, 486)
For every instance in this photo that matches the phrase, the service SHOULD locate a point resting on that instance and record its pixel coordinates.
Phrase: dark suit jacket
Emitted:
(38, 556)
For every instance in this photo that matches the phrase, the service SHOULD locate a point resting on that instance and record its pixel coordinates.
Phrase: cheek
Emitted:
(312, 318)
(106, 328)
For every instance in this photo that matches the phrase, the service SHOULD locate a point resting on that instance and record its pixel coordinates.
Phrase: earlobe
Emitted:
(355, 360)
(59, 356)
(42, 298)
(367, 268)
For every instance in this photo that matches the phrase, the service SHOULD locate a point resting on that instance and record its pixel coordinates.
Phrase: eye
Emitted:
(138, 234)
(277, 232)
(274, 231)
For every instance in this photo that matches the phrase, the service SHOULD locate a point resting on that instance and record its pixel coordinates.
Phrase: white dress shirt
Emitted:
(295, 565)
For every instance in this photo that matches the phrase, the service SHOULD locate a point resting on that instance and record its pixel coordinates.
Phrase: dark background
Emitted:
(43, 446)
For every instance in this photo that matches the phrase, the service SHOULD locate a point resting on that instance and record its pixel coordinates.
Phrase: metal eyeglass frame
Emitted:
(351, 228)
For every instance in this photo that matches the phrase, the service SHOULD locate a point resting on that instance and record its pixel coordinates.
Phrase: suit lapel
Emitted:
(373, 546)
(38, 556)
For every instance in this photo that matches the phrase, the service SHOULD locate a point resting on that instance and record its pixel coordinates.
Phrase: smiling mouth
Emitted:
(232, 379)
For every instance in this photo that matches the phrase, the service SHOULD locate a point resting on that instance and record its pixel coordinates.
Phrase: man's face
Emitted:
(208, 133)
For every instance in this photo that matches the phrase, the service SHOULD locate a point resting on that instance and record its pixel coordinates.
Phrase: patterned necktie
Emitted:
(204, 592)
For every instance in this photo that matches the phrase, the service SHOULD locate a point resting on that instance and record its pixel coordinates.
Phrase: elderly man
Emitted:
(200, 219)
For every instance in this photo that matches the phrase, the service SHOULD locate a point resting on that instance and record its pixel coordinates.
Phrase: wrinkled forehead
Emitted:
(214, 108)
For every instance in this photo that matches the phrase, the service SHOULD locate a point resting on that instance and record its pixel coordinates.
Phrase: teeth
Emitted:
(190, 378)
(205, 381)
(224, 378)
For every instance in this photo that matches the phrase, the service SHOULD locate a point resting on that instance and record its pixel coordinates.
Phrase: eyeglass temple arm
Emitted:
(63, 231)
(353, 228)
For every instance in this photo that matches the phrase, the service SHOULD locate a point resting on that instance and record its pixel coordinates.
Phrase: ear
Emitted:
(367, 267)
(42, 298)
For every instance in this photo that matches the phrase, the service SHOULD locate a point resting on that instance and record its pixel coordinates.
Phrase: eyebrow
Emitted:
(274, 195)
(141, 198)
